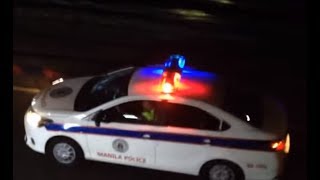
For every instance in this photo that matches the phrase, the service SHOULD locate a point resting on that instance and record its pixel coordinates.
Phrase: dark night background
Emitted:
(255, 44)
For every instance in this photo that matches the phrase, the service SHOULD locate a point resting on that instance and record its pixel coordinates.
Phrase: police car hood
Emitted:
(60, 97)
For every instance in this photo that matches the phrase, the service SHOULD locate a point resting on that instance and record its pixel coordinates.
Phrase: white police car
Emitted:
(155, 117)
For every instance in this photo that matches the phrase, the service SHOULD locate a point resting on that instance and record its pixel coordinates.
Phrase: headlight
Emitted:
(33, 118)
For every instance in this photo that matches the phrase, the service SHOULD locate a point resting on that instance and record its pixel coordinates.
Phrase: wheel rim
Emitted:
(221, 172)
(64, 153)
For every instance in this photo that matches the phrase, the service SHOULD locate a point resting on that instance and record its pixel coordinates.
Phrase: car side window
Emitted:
(189, 117)
(225, 126)
(134, 112)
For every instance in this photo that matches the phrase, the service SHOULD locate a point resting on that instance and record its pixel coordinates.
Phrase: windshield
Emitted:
(102, 89)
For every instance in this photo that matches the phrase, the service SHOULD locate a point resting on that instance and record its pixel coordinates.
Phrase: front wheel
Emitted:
(65, 152)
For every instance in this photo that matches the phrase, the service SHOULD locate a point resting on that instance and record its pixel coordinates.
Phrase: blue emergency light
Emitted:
(175, 61)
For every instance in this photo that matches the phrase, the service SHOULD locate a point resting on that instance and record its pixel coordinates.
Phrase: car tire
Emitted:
(221, 170)
(64, 152)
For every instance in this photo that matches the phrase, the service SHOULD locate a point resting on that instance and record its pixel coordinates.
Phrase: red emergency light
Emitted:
(170, 81)
(167, 88)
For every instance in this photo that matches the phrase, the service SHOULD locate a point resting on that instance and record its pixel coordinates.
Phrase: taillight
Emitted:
(278, 146)
(283, 145)
(287, 144)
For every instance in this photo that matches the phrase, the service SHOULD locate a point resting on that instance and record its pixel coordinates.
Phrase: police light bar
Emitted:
(172, 73)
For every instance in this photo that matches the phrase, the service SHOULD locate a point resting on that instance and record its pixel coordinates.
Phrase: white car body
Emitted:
(176, 149)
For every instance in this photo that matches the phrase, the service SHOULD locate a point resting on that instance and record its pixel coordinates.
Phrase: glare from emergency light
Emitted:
(33, 118)
(287, 144)
(191, 73)
(60, 80)
(248, 117)
(167, 88)
(156, 71)
(130, 116)
(166, 97)
(70, 125)
(165, 74)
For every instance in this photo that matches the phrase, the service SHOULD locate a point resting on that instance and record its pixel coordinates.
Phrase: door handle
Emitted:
(207, 141)
(146, 136)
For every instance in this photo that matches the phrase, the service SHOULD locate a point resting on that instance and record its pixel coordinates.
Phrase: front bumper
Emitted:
(35, 137)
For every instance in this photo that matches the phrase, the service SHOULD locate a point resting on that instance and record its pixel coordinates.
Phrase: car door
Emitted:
(187, 138)
(122, 136)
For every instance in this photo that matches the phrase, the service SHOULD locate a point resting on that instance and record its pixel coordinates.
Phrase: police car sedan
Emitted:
(153, 118)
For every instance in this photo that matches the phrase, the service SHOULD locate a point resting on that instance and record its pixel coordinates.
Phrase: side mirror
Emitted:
(97, 122)
(97, 118)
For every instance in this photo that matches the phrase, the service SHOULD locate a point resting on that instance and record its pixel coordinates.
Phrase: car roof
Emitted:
(194, 84)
